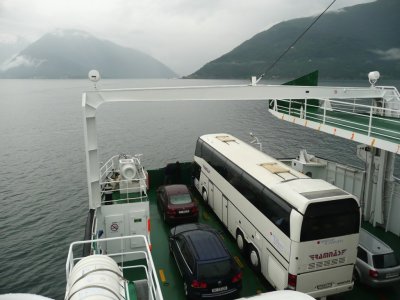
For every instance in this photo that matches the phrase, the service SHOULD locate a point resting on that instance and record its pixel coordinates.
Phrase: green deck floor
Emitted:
(172, 288)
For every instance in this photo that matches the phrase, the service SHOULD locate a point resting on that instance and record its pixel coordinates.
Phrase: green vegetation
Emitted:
(345, 44)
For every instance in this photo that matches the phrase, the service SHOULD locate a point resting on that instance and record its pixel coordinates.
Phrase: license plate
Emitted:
(391, 275)
(219, 289)
(184, 211)
(324, 286)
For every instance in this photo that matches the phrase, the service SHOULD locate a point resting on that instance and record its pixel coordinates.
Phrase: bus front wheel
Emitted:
(240, 241)
(205, 196)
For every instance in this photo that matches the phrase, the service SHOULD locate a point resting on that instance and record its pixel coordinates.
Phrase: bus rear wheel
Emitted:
(254, 259)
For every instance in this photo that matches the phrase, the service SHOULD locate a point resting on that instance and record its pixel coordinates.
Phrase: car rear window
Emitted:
(180, 199)
(214, 269)
(384, 260)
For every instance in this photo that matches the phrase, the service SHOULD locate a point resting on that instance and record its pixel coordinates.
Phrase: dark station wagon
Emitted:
(207, 267)
(177, 204)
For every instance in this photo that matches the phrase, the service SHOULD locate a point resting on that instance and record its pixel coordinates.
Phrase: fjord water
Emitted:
(42, 161)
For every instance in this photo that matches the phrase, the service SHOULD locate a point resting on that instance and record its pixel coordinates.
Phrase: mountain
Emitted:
(11, 46)
(72, 54)
(344, 44)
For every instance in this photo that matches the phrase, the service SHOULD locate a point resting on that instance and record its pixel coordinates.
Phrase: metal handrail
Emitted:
(369, 112)
(150, 273)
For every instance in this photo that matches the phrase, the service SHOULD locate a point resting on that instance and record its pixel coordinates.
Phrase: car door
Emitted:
(187, 262)
(161, 198)
(176, 245)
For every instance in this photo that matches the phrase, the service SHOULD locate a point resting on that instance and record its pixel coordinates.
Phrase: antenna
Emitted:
(255, 141)
(94, 76)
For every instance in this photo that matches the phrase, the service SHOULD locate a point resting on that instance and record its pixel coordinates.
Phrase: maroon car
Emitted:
(177, 204)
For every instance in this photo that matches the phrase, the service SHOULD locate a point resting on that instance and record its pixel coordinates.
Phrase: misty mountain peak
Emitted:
(70, 53)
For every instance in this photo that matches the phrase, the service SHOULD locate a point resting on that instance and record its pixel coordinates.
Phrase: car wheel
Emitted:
(254, 259)
(356, 277)
(240, 241)
(205, 196)
(185, 290)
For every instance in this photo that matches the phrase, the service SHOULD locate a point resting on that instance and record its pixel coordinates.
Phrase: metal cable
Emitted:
(298, 38)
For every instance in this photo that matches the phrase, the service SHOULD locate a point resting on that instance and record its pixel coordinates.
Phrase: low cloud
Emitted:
(390, 54)
(21, 61)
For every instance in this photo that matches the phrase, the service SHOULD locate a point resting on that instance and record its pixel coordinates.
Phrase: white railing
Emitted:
(366, 114)
(150, 270)
(126, 195)
(109, 176)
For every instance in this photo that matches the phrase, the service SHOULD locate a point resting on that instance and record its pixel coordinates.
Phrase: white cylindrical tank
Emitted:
(127, 169)
(95, 277)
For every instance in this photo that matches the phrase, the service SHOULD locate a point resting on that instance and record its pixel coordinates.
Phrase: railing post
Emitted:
(370, 121)
(305, 109)
(290, 107)
(323, 120)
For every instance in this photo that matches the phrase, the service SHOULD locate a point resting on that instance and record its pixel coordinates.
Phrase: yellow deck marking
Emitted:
(240, 264)
(162, 275)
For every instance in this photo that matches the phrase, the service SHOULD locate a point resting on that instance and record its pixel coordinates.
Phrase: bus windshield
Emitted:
(330, 219)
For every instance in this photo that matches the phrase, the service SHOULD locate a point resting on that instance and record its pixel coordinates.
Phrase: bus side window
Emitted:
(217, 161)
(207, 153)
(250, 189)
(196, 170)
(199, 146)
(233, 173)
(276, 210)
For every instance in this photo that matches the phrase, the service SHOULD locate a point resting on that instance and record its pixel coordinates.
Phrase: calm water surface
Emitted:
(42, 161)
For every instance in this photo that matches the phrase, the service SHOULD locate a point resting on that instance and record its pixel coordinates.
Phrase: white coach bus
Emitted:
(300, 233)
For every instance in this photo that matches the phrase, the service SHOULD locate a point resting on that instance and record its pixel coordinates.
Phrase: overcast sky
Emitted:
(183, 34)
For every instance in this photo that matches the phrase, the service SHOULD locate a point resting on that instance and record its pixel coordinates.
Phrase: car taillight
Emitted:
(292, 281)
(171, 212)
(237, 277)
(199, 284)
(373, 273)
(194, 209)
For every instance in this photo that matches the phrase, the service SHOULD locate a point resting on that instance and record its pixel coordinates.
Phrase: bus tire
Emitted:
(254, 258)
(240, 241)
(204, 195)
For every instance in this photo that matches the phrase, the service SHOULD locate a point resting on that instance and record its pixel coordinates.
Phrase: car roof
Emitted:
(372, 243)
(206, 245)
(176, 189)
